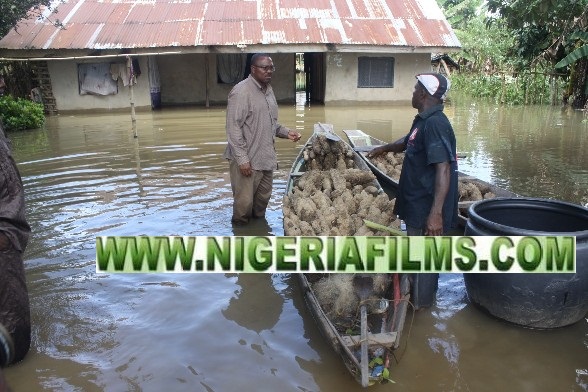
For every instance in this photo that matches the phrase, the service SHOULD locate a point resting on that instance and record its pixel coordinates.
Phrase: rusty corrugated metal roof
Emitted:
(140, 24)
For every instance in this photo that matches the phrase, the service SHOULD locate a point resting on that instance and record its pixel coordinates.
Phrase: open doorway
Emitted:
(310, 76)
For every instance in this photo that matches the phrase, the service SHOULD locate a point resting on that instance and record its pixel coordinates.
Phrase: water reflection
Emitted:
(255, 227)
(256, 297)
(537, 151)
(86, 176)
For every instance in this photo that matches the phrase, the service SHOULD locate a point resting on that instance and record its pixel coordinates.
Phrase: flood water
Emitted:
(86, 176)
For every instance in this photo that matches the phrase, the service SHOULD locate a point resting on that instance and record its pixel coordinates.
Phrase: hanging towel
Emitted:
(96, 79)
(154, 81)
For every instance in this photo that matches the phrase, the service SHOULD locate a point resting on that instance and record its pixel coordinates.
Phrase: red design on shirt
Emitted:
(412, 136)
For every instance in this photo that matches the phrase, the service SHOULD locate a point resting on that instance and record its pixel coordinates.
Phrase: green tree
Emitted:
(12, 11)
(493, 56)
(484, 47)
(459, 13)
(545, 32)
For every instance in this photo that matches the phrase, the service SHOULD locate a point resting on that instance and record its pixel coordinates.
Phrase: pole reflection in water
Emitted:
(86, 176)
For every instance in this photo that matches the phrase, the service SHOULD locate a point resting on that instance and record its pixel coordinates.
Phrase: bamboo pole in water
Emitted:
(503, 88)
(206, 75)
(133, 118)
(132, 92)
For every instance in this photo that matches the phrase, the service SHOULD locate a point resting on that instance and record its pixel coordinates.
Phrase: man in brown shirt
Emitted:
(252, 125)
(15, 320)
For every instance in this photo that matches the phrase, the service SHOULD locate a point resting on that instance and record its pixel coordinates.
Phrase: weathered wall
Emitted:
(342, 75)
(184, 79)
(64, 81)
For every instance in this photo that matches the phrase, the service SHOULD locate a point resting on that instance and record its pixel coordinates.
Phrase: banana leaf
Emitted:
(571, 58)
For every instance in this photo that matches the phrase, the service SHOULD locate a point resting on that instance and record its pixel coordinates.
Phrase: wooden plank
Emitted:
(445, 67)
(362, 142)
(363, 148)
(358, 138)
(354, 133)
(322, 128)
(386, 339)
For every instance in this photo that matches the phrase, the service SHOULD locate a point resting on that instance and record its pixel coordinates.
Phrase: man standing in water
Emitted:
(427, 193)
(252, 125)
(15, 319)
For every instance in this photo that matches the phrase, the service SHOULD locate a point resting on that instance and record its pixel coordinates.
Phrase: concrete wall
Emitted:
(342, 72)
(64, 82)
(184, 79)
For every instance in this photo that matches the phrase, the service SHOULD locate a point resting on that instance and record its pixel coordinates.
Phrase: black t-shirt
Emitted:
(430, 140)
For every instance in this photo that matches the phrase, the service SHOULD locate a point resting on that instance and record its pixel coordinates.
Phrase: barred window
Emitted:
(375, 72)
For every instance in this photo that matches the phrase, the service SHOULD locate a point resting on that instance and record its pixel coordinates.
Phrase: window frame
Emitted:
(367, 71)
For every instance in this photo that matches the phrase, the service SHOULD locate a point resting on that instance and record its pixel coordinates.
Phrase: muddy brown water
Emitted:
(86, 176)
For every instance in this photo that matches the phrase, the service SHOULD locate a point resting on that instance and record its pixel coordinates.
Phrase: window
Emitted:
(375, 72)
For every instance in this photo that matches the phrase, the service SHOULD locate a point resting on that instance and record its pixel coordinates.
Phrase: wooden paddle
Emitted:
(364, 286)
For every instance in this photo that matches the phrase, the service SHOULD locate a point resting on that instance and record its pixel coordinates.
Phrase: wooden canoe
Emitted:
(299, 166)
(363, 143)
(385, 332)
(387, 316)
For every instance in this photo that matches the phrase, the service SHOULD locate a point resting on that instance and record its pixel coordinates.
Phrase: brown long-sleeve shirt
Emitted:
(252, 125)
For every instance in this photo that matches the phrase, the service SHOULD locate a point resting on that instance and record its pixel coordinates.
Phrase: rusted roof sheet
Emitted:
(140, 24)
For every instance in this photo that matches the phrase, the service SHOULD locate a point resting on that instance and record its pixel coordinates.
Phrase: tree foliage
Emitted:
(554, 14)
(484, 48)
(460, 12)
(522, 37)
(12, 11)
(578, 53)
(542, 28)
(550, 32)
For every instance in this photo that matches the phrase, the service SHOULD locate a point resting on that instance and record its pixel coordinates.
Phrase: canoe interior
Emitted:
(299, 166)
(363, 143)
(385, 328)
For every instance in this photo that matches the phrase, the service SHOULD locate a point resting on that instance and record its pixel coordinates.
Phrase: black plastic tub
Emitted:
(536, 300)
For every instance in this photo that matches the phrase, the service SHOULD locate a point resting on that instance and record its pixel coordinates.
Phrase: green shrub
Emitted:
(524, 88)
(21, 113)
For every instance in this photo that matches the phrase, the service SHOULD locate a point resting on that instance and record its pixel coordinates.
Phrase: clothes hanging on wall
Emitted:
(127, 72)
(154, 82)
(94, 78)
(231, 67)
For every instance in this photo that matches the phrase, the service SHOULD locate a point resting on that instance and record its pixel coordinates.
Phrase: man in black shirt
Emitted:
(427, 194)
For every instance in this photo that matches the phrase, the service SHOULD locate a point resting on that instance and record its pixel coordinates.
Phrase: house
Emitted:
(191, 52)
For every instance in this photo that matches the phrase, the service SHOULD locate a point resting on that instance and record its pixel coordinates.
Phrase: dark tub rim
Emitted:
(538, 203)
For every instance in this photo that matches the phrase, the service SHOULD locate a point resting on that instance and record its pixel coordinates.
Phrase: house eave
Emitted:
(63, 54)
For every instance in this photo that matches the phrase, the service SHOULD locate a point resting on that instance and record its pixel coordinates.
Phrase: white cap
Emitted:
(436, 84)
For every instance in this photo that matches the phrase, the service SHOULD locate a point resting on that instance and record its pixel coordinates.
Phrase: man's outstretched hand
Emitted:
(294, 136)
